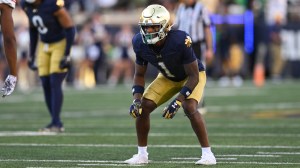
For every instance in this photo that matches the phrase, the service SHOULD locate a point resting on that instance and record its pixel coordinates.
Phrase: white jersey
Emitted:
(11, 3)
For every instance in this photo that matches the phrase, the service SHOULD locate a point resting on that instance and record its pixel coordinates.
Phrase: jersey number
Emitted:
(163, 66)
(38, 22)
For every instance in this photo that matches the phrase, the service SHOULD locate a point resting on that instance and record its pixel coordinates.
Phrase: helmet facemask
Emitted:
(30, 1)
(152, 38)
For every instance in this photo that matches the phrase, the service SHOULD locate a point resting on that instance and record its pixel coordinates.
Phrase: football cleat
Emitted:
(52, 128)
(137, 159)
(207, 159)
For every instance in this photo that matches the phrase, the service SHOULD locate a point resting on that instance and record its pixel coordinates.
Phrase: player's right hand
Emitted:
(65, 62)
(9, 85)
(32, 65)
(136, 108)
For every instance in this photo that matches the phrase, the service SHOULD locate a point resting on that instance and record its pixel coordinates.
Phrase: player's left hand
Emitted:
(171, 109)
(136, 108)
(9, 85)
(65, 62)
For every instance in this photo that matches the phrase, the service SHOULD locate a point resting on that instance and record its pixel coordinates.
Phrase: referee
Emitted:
(192, 17)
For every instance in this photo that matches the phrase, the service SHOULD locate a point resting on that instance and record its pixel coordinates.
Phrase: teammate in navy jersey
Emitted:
(51, 21)
(181, 74)
(10, 46)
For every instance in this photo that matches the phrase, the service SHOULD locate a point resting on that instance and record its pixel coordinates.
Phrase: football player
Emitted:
(181, 74)
(10, 44)
(50, 20)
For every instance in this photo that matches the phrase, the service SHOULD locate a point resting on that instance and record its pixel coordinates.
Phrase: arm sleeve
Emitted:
(70, 35)
(135, 43)
(33, 41)
(188, 52)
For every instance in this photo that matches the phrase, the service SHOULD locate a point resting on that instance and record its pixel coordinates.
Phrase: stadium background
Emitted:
(246, 33)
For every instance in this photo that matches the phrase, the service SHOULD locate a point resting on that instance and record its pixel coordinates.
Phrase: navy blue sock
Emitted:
(47, 91)
(56, 96)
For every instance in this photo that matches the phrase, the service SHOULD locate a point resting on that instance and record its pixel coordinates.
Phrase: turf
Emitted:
(247, 126)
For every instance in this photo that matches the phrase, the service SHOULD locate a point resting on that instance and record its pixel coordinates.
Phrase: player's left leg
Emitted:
(43, 64)
(197, 121)
(57, 77)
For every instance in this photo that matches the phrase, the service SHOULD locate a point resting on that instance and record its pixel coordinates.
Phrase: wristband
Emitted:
(185, 91)
(137, 89)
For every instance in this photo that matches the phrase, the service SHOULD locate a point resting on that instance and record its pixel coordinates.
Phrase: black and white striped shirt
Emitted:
(193, 20)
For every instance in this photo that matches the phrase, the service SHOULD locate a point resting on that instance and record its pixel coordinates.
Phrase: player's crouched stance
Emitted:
(170, 52)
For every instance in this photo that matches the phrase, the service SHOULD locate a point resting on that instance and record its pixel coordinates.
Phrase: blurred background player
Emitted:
(192, 17)
(122, 64)
(10, 44)
(51, 21)
(181, 74)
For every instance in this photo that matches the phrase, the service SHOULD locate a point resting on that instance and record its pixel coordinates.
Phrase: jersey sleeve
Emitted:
(188, 52)
(11, 3)
(55, 5)
(136, 41)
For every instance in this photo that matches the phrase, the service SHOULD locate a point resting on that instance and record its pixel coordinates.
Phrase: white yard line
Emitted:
(192, 158)
(261, 163)
(121, 163)
(247, 155)
(152, 146)
(111, 165)
(255, 106)
(33, 133)
(233, 155)
(280, 153)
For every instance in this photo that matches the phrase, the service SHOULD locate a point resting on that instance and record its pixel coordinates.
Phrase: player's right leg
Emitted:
(142, 130)
(156, 93)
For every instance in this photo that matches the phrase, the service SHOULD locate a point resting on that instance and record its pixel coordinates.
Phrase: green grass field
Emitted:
(248, 127)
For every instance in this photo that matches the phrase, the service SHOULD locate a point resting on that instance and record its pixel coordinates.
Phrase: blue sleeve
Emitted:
(33, 33)
(188, 52)
(57, 4)
(22, 4)
(136, 41)
(70, 35)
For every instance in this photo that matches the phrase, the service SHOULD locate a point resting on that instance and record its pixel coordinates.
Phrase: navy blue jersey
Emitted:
(44, 20)
(171, 58)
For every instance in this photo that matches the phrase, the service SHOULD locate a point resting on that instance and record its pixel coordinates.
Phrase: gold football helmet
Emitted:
(154, 15)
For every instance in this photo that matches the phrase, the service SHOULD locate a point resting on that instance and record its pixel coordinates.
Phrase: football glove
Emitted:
(65, 62)
(136, 108)
(9, 85)
(32, 65)
(171, 109)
